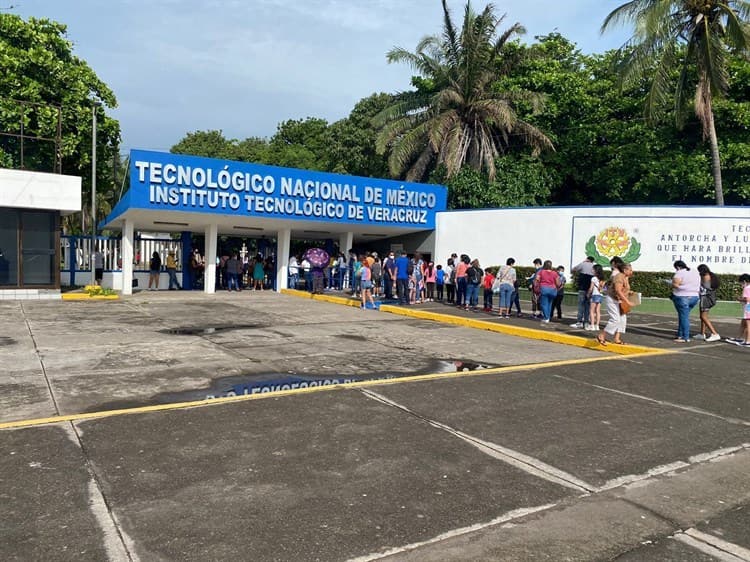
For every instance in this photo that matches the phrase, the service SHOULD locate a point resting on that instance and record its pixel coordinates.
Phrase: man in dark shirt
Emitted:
(389, 274)
(402, 278)
(584, 271)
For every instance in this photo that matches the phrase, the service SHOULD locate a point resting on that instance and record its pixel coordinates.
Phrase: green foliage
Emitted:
(658, 284)
(40, 69)
(352, 149)
(522, 181)
(456, 118)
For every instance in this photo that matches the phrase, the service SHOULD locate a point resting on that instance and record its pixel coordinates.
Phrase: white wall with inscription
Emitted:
(651, 238)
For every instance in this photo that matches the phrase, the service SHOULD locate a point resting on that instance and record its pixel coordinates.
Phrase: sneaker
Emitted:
(576, 325)
(699, 337)
(744, 344)
(713, 337)
(733, 340)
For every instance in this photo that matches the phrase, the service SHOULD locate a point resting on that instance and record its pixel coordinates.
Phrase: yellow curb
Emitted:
(85, 297)
(508, 329)
(17, 424)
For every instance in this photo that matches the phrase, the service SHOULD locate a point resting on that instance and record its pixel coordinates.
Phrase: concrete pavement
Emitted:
(456, 443)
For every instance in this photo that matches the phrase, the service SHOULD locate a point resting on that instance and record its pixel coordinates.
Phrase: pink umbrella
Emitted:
(317, 257)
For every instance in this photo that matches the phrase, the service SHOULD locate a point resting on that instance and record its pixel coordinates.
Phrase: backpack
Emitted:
(473, 275)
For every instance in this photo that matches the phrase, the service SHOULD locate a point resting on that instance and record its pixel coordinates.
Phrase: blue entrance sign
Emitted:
(164, 181)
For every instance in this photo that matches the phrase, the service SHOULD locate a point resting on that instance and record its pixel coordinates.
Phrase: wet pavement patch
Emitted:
(6, 341)
(264, 383)
(207, 330)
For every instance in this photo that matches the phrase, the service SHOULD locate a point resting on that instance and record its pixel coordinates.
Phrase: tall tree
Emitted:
(458, 118)
(40, 74)
(694, 38)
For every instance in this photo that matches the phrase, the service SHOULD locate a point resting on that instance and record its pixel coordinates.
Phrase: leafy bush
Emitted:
(97, 290)
(649, 283)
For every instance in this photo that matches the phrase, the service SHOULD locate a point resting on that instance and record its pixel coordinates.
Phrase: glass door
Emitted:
(38, 248)
(8, 248)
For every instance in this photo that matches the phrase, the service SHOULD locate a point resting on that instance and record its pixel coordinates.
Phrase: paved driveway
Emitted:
(180, 426)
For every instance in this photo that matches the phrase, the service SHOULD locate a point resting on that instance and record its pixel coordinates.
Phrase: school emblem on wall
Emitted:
(613, 241)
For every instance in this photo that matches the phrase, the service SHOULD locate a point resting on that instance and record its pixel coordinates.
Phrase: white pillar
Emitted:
(346, 241)
(209, 273)
(283, 243)
(127, 257)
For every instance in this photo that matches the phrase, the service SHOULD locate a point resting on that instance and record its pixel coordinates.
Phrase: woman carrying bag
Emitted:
(617, 303)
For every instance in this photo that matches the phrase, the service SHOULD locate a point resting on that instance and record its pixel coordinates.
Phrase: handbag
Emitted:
(625, 307)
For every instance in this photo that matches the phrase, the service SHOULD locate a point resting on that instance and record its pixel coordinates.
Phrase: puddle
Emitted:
(205, 330)
(242, 385)
(353, 337)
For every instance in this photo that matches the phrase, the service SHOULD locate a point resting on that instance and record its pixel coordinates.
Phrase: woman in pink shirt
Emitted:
(686, 288)
(549, 282)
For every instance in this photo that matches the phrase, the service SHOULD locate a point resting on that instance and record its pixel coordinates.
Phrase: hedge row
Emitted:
(651, 283)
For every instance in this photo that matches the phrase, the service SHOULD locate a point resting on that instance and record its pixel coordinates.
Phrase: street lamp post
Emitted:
(93, 192)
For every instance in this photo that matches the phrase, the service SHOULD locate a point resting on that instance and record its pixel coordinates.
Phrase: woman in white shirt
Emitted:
(686, 287)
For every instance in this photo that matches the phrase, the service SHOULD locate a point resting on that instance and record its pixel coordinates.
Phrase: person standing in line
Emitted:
(686, 286)
(430, 277)
(595, 296)
(389, 275)
(232, 266)
(583, 273)
(98, 266)
(172, 271)
(377, 275)
(474, 274)
(293, 272)
(557, 304)
(450, 281)
(154, 269)
(402, 278)
(744, 339)
(709, 284)
(461, 283)
(487, 282)
(546, 284)
(439, 282)
(366, 283)
(506, 275)
(618, 288)
(536, 311)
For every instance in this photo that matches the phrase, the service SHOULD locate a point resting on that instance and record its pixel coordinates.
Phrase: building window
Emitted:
(28, 248)
(8, 248)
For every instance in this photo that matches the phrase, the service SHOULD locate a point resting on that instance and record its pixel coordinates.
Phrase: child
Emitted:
(487, 282)
(744, 339)
(412, 287)
(557, 303)
(439, 282)
(595, 296)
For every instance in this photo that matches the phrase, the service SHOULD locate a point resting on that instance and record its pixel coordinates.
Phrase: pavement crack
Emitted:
(528, 464)
(691, 409)
(41, 361)
(115, 540)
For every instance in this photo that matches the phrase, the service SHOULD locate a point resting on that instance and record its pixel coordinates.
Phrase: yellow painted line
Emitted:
(85, 297)
(17, 424)
(508, 329)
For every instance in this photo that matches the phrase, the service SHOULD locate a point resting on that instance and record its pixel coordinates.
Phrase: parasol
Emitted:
(317, 257)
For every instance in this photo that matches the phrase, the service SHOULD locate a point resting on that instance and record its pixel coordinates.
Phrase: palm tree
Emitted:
(459, 119)
(684, 35)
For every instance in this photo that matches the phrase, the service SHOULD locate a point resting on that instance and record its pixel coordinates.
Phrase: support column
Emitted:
(209, 273)
(187, 254)
(283, 243)
(128, 243)
(346, 241)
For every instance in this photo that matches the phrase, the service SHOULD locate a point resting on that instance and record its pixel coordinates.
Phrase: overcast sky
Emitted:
(243, 66)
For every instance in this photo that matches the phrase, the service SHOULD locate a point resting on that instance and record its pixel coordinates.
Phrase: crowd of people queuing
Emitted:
(414, 280)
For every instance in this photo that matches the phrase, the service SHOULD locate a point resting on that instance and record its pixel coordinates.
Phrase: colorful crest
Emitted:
(613, 241)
